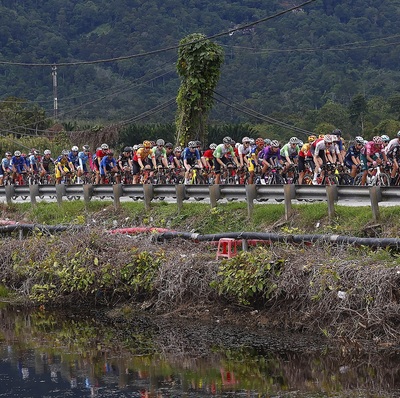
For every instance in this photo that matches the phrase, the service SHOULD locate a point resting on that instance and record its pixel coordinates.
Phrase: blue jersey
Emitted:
(108, 163)
(73, 158)
(83, 158)
(189, 155)
(19, 163)
(33, 161)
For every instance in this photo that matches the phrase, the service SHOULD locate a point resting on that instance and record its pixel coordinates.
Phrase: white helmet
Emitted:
(328, 138)
(74, 149)
(245, 139)
(47, 152)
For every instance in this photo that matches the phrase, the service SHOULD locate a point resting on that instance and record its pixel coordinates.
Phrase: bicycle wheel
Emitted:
(383, 180)
(330, 180)
(308, 180)
(345, 179)
(276, 179)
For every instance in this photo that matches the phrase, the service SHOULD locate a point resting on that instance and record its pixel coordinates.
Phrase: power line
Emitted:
(145, 54)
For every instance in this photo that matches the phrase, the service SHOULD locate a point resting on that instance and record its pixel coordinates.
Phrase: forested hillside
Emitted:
(290, 66)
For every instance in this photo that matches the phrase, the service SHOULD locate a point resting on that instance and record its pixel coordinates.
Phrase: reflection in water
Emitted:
(44, 354)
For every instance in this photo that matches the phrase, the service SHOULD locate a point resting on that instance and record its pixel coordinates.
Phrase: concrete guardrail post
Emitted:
(148, 193)
(215, 194)
(251, 194)
(87, 192)
(33, 192)
(331, 197)
(9, 189)
(376, 196)
(60, 192)
(289, 191)
(180, 195)
(117, 193)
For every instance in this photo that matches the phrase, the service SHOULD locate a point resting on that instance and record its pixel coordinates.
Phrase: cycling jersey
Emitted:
(222, 150)
(288, 150)
(392, 146)
(108, 163)
(142, 153)
(353, 151)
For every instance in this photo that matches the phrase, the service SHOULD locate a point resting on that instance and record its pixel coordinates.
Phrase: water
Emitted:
(45, 354)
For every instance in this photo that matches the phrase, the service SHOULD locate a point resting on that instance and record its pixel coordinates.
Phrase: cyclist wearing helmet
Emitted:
(191, 158)
(392, 151)
(160, 154)
(254, 161)
(108, 165)
(220, 157)
(373, 154)
(96, 159)
(73, 156)
(305, 155)
(124, 162)
(63, 166)
(290, 151)
(178, 159)
(18, 165)
(141, 159)
(352, 158)
(323, 151)
(82, 163)
(270, 156)
(33, 161)
(45, 163)
(207, 158)
(244, 152)
(5, 167)
(169, 148)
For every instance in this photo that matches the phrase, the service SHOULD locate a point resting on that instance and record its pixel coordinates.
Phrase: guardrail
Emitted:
(249, 193)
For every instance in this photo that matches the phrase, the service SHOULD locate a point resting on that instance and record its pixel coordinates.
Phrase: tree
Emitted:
(199, 62)
(358, 109)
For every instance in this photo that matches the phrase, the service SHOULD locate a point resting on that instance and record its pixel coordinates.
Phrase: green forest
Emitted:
(329, 64)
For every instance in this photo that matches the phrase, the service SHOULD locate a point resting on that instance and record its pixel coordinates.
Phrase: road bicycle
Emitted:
(375, 177)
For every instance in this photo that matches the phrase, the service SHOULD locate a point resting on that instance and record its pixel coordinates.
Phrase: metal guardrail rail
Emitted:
(249, 193)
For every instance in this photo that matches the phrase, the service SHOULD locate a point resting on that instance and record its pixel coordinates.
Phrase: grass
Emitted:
(201, 218)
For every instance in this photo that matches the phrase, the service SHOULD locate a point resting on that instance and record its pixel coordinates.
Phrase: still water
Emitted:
(46, 354)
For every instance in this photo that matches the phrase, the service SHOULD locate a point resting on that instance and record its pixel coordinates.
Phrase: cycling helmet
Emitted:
(328, 138)
(160, 142)
(245, 139)
(300, 143)
(168, 145)
(128, 149)
(252, 142)
(398, 134)
(227, 140)
(104, 146)
(47, 152)
(178, 149)
(385, 138)
(8, 153)
(74, 149)
(293, 140)
(213, 145)
(86, 148)
(192, 144)
(337, 132)
(17, 153)
(36, 152)
(198, 143)
(147, 144)
(334, 138)
(135, 147)
(267, 141)
(321, 136)
(275, 143)
(359, 140)
(64, 152)
(140, 146)
(377, 140)
(311, 138)
(260, 141)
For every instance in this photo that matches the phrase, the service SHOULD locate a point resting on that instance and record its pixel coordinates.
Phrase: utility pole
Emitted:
(55, 100)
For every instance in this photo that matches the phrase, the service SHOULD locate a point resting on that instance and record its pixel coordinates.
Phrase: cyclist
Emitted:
(207, 158)
(18, 165)
(63, 166)
(385, 139)
(141, 159)
(178, 159)
(255, 151)
(392, 151)
(73, 156)
(33, 162)
(221, 160)
(191, 158)
(352, 158)
(270, 156)
(323, 151)
(305, 155)
(109, 164)
(45, 163)
(160, 154)
(244, 151)
(5, 166)
(373, 154)
(82, 163)
(169, 148)
(100, 153)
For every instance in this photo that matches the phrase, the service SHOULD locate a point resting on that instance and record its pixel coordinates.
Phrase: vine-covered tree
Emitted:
(199, 62)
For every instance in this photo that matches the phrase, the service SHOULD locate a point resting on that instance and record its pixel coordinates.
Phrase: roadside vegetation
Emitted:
(345, 292)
